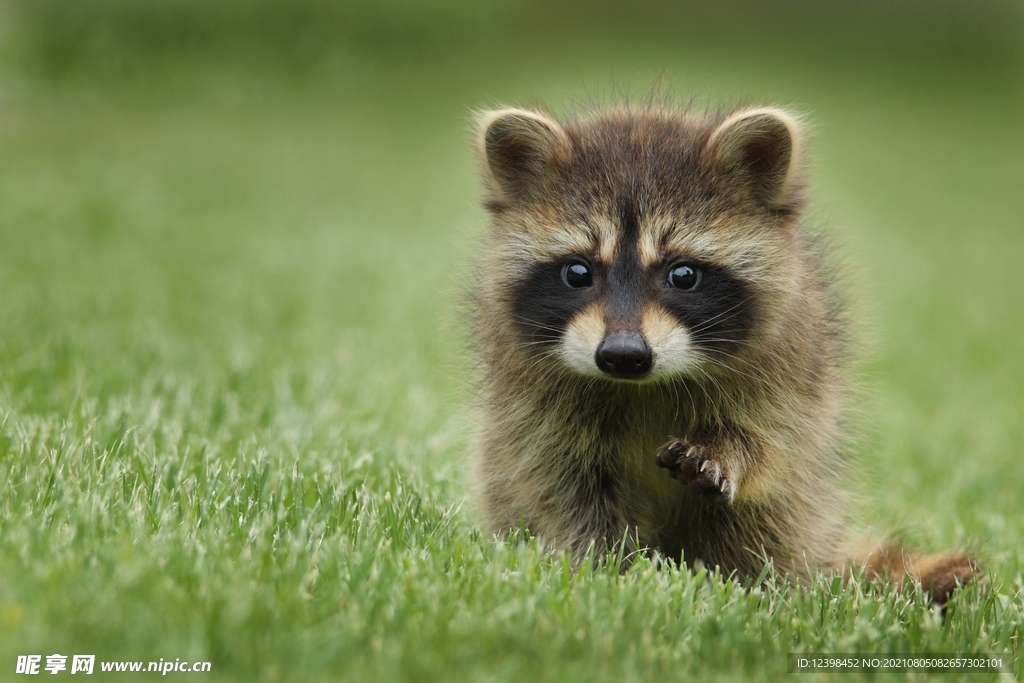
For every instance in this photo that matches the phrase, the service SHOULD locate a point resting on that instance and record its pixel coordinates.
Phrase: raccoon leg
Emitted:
(713, 470)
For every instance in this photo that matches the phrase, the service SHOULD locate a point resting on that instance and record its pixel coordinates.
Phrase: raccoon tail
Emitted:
(939, 574)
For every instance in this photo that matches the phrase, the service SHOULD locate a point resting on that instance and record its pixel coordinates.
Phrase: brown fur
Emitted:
(749, 435)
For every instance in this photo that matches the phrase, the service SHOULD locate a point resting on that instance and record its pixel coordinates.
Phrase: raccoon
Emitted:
(662, 357)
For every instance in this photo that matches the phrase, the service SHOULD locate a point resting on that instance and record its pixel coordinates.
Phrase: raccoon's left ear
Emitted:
(765, 146)
(517, 149)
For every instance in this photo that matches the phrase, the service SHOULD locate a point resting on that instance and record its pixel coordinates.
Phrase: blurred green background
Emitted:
(234, 238)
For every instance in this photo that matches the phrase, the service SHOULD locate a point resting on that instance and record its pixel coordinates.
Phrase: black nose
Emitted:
(624, 353)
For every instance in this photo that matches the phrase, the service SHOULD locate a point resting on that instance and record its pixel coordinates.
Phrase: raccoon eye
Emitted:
(683, 277)
(577, 274)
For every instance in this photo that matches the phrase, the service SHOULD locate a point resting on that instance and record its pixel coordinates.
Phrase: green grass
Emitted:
(234, 391)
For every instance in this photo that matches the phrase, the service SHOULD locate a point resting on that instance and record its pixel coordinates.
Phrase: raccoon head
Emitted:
(638, 244)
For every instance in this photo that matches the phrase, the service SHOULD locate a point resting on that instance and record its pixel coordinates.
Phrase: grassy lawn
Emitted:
(234, 391)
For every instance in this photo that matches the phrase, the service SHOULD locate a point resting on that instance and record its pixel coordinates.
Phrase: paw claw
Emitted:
(688, 464)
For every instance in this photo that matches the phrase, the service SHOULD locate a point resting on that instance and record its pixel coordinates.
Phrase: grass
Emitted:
(233, 386)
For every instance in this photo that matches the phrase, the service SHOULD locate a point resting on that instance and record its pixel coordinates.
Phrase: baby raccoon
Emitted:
(663, 363)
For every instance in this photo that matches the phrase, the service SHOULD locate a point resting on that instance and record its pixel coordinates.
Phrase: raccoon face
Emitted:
(637, 247)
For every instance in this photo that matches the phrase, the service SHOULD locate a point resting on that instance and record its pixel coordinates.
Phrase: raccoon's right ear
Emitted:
(517, 149)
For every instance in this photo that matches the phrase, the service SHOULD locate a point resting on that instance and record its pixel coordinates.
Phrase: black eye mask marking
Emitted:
(719, 310)
(545, 301)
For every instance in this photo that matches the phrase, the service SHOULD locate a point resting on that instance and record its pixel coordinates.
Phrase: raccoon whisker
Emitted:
(732, 356)
(542, 342)
(711, 401)
(754, 378)
(724, 340)
(724, 394)
(762, 372)
(546, 309)
(758, 374)
(539, 361)
(542, 362)
(759, 370)
(538, 325)
(721, 355)
(707, 323)
(674, 386)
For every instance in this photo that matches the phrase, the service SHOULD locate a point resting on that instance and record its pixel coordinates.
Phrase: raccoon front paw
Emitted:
(690, 465)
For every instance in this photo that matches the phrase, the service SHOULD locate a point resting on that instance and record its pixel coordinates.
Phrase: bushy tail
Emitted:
(938, 574)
